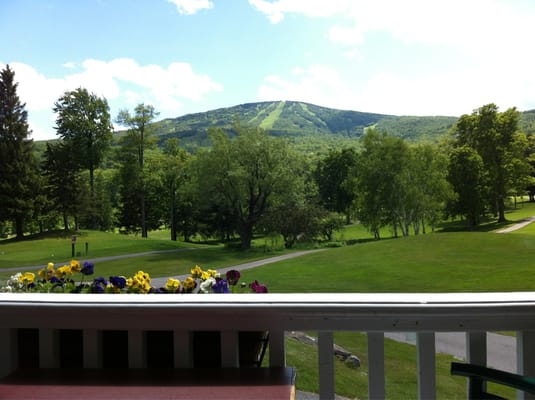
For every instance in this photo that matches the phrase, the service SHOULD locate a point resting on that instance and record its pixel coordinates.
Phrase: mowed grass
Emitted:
(435, 262)
(440, 262)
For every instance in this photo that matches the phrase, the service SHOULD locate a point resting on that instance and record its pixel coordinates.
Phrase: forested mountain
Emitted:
(298, 120)
(308, 125)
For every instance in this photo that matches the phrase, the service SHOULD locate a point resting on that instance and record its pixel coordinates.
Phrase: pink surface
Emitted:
(57, 384)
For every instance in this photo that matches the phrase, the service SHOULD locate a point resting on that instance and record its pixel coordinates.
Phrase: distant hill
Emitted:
(300, 120)
(309, 126)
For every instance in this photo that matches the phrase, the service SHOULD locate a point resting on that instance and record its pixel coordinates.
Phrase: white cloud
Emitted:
(389, 92)
(123, 82)
(475, 25)
(190, 7)
(317, 84)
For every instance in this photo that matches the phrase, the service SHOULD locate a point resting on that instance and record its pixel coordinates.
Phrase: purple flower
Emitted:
(220, 286)
(88, 268)
(233, 276)
(99, 285)
(118, 281)
(258, 288)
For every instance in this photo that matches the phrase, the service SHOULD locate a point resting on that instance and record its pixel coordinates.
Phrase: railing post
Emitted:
(48, 348)
(476, 353)
(277, 349)
(425, 342)
(326, 365)
(229, 349)
(376, 365)
(8, 351)
(137, 349)
(183, 349)
(525, 351)
(92, 348)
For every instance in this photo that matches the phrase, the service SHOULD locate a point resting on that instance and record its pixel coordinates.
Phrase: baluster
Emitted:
(92, 348)
(48, 348)
(376, 365)
(525, 351)
(183, 349)
(277, 349)
(8, 351)
(326, 365)
(137, 349)
(425, 342)
(229, 349)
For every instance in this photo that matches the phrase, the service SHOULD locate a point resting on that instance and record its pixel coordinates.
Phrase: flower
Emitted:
(258, 288)
(88, 268)
(52, 279)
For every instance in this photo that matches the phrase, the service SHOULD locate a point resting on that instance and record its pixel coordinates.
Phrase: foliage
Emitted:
(132, 174)
(496, 139)
(19, 184)
(83, 122)
(240, 178)
(332, 176)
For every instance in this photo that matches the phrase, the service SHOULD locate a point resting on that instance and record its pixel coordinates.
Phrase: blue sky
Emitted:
(411, 57)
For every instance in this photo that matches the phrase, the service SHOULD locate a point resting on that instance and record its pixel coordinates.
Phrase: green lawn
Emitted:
(435, 262)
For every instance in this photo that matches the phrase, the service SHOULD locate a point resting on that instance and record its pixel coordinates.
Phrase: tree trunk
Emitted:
(143, 216)
(172, 212)
(19, 227)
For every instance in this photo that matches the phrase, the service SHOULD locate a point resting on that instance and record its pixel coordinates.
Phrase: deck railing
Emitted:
(375, 314)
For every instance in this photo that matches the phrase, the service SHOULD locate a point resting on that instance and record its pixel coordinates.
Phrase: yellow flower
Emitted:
(172, 285)
(213, 273)
(189, 284)
(50, 266)
(63, 271)
(75, 266)
(196, 272)
(27, 278)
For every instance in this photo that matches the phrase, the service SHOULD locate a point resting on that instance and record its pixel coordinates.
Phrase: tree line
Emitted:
(249, 182)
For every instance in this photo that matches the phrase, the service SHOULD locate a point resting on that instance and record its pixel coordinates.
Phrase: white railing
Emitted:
(425, 314)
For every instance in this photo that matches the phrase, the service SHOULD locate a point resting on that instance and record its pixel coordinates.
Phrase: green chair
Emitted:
(477, 376)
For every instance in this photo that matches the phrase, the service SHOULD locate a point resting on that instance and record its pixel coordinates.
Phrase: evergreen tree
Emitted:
(18, 169)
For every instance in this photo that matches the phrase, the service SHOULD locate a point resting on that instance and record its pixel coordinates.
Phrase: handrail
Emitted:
(374, 313)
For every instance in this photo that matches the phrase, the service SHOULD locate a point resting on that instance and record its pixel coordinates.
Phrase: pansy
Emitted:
(88, 268)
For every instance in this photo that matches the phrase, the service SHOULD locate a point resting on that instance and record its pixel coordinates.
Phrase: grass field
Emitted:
(446, 261)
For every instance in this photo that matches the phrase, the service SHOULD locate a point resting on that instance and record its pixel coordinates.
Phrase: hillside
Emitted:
(312, 128)
(299, 120)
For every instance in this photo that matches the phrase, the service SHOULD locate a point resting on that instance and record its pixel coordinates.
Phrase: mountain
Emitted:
(310, 127)
(299, 120)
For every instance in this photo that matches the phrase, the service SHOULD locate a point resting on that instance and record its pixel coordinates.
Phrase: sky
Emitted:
(410, 57)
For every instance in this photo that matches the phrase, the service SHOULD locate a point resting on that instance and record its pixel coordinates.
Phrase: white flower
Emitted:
(206, 286)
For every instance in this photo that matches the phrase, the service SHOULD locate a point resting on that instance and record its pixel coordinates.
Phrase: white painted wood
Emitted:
(425, 344)
(230, 357)
(376, 365)
(92, 348)
(476, 348)
(8, 351)
(277, 348)
(183, 349)
(48, 348)
(375, 313)
(476, 352)
(525, 348)
(137, 349)
(326, 365)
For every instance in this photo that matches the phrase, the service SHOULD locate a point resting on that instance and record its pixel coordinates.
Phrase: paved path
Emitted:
(98, 259)
(158, 282)
(501, 349)
(515, 227)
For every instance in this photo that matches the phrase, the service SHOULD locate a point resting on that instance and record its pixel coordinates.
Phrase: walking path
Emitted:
(515, 227)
